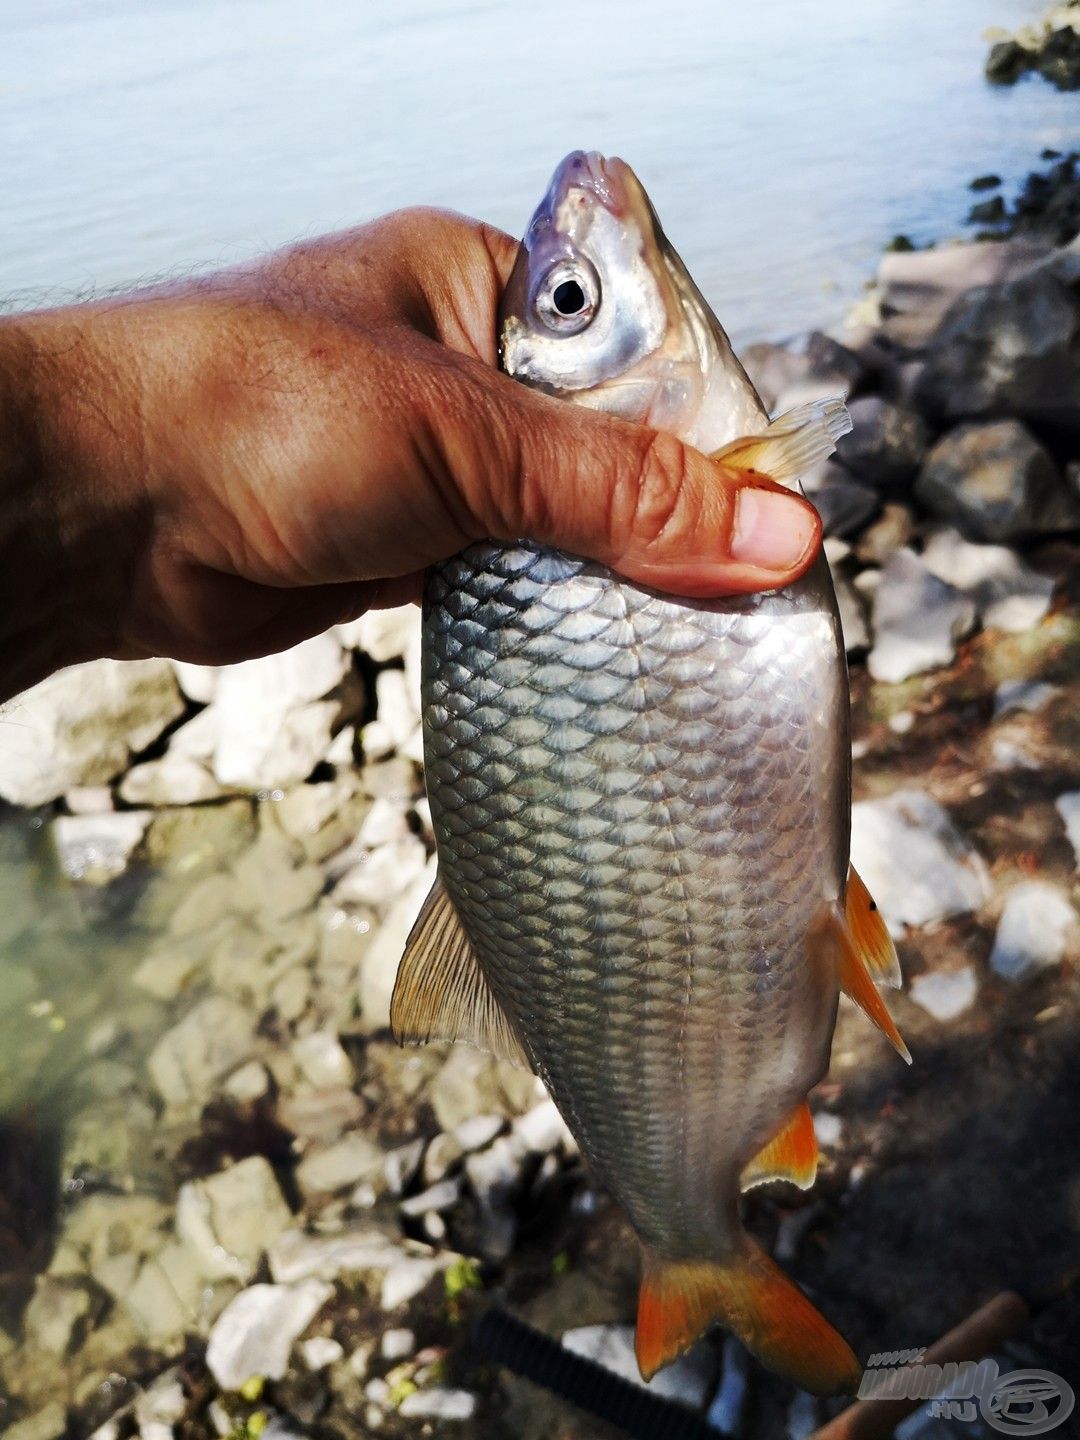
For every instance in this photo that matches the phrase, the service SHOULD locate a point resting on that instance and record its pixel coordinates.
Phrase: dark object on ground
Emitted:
(502, 1338)
(1055, 56)
(987, 212)
(985, 182)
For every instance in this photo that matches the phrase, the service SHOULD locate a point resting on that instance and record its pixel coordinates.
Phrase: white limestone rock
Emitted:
(255, 1333)
(1034, 930)
(917, 619)
(229, 1219)
(945, 994)
(94, 849)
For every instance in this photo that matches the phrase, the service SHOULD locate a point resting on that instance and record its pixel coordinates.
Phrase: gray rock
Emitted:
(893, 528)
(845, 506)
(229, 1219)
(852, 615)
(886, 444)
(915, 862)
(917, 620)
(689, 1380)
(297, 1256)
(1034, 930)
(1007, 594)
(918, 287)
(213, 1038)
(81, 726)
(996, 483)
(945, 994)
(1007, 349)
(94, 849)
(1068, 807)
(255, 1332)
(1028, 696)
(350, 1161)
(58, 1314)
(438, 1403)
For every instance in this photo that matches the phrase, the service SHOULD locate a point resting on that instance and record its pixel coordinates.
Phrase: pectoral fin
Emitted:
(793, 443)
(441, 993)
(790, 1155)
(869, 933)
(861, 954)
(754, 1298)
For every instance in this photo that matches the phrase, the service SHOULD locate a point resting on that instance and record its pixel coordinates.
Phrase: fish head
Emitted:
(600, 309)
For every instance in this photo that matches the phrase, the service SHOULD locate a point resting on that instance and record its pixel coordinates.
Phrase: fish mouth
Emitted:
(605, 180)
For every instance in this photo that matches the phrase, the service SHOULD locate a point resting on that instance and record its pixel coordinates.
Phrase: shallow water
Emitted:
(783, 144)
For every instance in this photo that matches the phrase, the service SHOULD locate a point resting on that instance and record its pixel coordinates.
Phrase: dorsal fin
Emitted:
(869, 933)
(441, 992)
(792, 443)
(790, 1155)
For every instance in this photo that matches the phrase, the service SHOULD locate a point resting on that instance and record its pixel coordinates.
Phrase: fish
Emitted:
(641, 807)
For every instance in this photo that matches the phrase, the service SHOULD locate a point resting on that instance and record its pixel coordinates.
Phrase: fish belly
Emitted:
(641, 808)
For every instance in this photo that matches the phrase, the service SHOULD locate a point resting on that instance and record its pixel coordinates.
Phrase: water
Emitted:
(783, 144)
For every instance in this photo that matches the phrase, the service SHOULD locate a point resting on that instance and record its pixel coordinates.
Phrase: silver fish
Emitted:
(641, 806)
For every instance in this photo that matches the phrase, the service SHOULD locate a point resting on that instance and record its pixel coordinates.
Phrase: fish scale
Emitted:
(659, 982)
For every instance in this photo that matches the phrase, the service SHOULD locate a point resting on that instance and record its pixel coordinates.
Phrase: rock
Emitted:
(321, 1351)
(229, 1219)
(478, 1131)
(58, 1313)
(852, 615)
(496, 1176)
(198, 682)
(1007, 594)
(471, 1082)
(255, 1332)
(1068, 807)
(397, 1344)
(401, 1166)
(441, 1196)
(94, 849)
(48, 1423)
(198, 839)
(1028, 696)
(166, 972)
(844, 505)
(273, 726)
(321, 1114)
(397, 716)
(1033, 931)
(996, 483)
(893, 529)
(915, 863)
(251, 1082)
(1007, 349)
(351, 1161)
(162, 1404)
(164, 1300)
(438, 1403)
(689, 1380)
(886, 444)
(173, 780)
(322, 818)
(383, 634)
(214, 1037)
(322, 1061)
(382, 874)
(380, 959)
(827, 1129)
(441, 1156)
(542, 1129)
(985, 182)
(988, 212)
(297, 1256)
(404, 1281)
(917, 620)
(82, 725)
(945, 994)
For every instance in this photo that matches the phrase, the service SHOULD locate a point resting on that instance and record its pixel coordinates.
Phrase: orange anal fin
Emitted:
(754, 1298)
(869, 933)
(790, 1155)
(858, 985)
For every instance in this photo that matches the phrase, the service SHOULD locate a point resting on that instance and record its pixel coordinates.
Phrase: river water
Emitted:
(783, 143)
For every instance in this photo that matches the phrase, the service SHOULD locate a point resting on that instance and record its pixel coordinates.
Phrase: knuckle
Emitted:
(661, 505)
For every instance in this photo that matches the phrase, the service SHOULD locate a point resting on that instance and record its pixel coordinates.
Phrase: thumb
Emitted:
(656, 510)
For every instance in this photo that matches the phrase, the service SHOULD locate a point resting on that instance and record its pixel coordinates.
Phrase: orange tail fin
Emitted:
(754, 1298)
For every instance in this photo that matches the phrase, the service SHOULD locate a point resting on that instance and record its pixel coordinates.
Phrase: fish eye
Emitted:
(568, 297)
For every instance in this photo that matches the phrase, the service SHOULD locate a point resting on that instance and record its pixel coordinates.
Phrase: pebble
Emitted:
(945, 994)
(322, 1060)
(1068, 807)
(441, 1156)
(828, 1128)
(438, 1403)
(94, 849)
(917, 620)
(478, 1131)
(254, 1334)
(401, 1166)
(542, 1129)
(57, 1313)
(404, 1281)
(297, 1256)
(350, 1161)
(48, 1423)
(441, 1196)
(915, 862)
(1033, 931)
(886, 443)
(320, 1351)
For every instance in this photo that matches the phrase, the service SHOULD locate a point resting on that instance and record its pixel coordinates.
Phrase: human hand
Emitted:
(219, 468)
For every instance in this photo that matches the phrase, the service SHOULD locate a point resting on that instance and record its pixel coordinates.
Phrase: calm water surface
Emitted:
(783, 145)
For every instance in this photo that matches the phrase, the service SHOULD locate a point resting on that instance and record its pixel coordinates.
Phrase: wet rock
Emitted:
(1033, 931)
(198, 839)
(58, 1314)
(81, 726)
(945, 994)
(273, 726)
(917, 620)
(689, 1380)
(94, 849)
(438, 1403)
(916, 864)
(297, 1256)
(255, 1332)
(1007, 594)
(886, 444)
(351, 1161)
(1007, 349)
(48, 1423)
(322, 1061)
(1068, 807)
(996, 483)
(229, 1219)
(213, 1038)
